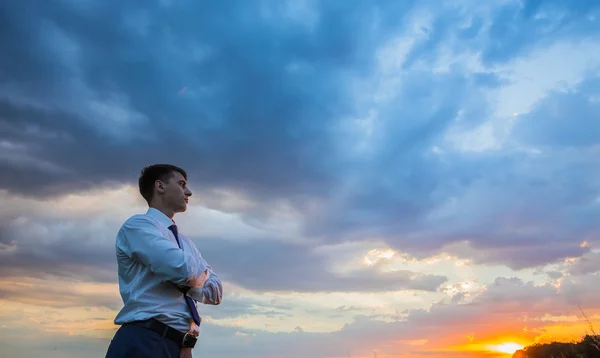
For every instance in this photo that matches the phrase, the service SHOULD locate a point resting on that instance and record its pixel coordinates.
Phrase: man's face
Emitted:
(176, 193)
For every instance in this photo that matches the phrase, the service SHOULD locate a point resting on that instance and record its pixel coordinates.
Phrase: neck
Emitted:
(168, 212)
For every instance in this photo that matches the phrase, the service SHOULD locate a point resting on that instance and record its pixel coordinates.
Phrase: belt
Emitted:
(185, 340)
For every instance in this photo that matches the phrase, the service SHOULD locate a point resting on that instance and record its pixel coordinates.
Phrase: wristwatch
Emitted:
(189, 341)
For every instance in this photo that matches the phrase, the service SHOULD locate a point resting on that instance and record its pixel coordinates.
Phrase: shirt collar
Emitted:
(158, 215)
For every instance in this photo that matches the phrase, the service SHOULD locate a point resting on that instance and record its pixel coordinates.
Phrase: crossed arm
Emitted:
(144, 242)
(211, 292)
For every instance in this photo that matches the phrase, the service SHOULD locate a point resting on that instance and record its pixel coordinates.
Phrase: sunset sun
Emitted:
(373, 179)
(509, 347)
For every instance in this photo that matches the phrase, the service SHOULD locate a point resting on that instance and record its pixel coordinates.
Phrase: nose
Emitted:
(188, 192)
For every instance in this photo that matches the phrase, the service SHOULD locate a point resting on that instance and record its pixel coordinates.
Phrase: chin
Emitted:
(181, 209)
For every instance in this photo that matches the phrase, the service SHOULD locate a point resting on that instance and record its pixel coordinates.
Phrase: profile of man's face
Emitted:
(175, 192)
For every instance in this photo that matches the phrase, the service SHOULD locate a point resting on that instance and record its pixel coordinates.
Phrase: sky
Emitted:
(370, 178)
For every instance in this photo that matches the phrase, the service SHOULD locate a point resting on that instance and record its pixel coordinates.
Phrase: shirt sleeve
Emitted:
(211, 293)
(143, 242)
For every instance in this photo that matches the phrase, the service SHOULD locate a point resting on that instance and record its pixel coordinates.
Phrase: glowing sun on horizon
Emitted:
(508, 348)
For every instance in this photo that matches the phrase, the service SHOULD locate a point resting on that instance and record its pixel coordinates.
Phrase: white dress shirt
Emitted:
(151, 265)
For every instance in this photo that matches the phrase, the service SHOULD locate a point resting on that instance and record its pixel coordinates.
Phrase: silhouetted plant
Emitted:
(586, 348)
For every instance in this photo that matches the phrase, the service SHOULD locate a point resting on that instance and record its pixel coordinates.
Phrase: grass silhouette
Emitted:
(587, 347)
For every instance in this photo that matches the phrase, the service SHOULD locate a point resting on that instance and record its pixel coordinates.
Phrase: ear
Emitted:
(159, 186)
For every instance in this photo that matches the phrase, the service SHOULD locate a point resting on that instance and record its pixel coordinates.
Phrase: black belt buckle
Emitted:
(188, 341)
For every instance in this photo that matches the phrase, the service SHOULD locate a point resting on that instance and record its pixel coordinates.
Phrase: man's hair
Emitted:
(152, 173)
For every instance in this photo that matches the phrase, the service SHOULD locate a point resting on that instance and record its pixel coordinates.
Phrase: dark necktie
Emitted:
(188, 299)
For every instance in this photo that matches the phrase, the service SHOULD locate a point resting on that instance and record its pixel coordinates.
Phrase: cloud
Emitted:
(121, 87)
(275, 116)
(316, 136)
(517, 256)
(586, 264)
(274, 266)
(61, 293)
(43, 244)
(563, 119)
(55, 248)
(507, 308)
(534, 23)
(78, 243)
(237, 305)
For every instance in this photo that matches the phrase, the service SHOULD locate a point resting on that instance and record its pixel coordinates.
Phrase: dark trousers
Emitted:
(133, 341)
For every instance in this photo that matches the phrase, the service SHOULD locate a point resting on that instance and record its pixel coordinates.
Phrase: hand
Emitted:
(194, 331)
(200, 280)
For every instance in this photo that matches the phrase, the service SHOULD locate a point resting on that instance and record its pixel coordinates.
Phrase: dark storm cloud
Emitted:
(259, 100)
(261, 97)
(28, 169)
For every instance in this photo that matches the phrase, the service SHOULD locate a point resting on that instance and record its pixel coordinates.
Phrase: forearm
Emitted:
(196, 293)
(193, 272)
(210, 293)
(144, 243)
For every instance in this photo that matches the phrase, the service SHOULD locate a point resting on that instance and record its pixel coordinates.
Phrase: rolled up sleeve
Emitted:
(211, 293)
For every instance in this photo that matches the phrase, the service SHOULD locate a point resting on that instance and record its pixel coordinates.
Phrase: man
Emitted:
(161, 274)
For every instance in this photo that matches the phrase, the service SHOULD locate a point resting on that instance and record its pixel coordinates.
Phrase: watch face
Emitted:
(189, 341)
